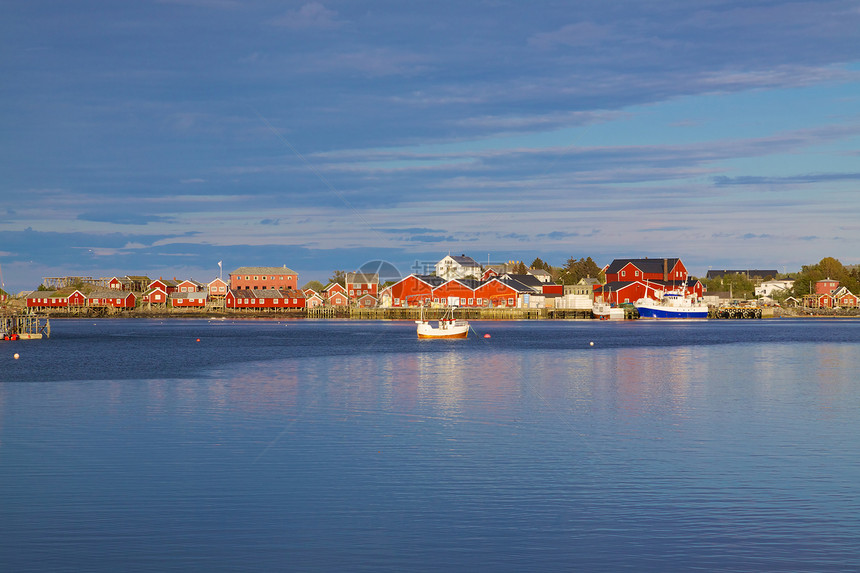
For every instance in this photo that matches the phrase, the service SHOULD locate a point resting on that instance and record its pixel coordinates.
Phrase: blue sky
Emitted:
(162, 136)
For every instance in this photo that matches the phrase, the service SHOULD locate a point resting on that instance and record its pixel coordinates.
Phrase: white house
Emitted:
(768, 288)
(458, 267)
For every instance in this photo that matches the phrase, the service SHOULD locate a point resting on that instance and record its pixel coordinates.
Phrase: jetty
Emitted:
(414, 313)
(14, 326)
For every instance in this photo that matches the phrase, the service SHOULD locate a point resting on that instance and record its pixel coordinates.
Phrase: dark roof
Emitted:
(464, 261)
(371, 278)
(514, 284)
(530, 281)
(432, 280)
(644, 265)
(748, 272)
(469, 282)
(654, 284)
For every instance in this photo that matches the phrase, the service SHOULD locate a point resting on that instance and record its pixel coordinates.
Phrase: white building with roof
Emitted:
(458, 267)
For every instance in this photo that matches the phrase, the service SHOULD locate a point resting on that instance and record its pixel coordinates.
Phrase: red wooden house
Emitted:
(628, 280)
(414, 290)
(845, 298)
(190, 285)
(108, 299)
(264, 299)
(366, 301)
(120, 283)
(335, 295)
(46, 300)
(360, 284)
(188, 299)
(666, 270)
(456, 292)
(496, 293)
(313, 299)
(156, 296)
(264, 278)
(217, 288)
(166, 285)
(826, 286)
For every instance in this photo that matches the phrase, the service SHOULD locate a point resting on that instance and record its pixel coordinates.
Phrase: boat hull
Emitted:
(455, 335)
(607, 312)
(458, 330)
(656, 311)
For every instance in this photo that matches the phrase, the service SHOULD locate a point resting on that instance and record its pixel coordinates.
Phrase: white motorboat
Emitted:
(445, 327)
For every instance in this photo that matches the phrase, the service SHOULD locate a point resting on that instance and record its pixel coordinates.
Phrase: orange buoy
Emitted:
(487, 335)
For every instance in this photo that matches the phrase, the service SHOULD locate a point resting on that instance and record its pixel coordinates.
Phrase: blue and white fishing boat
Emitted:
(673, 304)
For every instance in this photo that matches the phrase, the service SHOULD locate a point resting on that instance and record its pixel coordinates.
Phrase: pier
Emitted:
(412, 313)
(15, 326)
(737, 312)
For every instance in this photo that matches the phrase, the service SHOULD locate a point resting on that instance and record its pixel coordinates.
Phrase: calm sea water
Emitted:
(130, 445)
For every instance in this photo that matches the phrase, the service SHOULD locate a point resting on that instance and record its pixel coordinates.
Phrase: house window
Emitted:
(622, 273)
(510, 302)
(471, 301)
(636, 273)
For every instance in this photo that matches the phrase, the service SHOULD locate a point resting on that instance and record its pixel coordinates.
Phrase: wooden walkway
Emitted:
(24, 326)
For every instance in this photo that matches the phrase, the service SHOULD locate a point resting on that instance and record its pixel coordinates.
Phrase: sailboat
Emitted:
(446, 327)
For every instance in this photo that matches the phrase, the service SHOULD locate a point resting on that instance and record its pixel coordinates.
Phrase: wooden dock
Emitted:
(470, 313)
(15, 326)
(736, 312)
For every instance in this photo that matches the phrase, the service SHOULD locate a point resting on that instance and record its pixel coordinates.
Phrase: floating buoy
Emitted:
(15, 356)
(591, 343)
(198, 340)
(487, 335)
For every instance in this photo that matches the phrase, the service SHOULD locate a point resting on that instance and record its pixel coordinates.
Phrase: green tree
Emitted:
(338, 277)
(316, 285)
(826, 268)
(739, 285)
(575, 270)
(539, 264)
